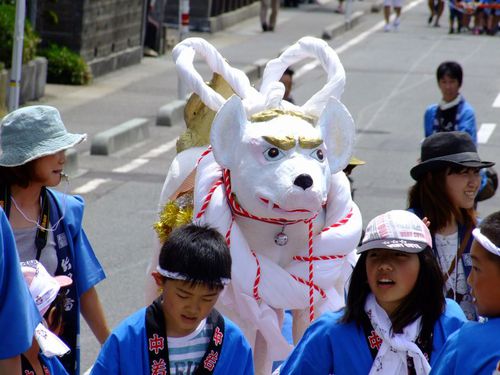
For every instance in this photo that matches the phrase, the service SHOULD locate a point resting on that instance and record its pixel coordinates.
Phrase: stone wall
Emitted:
(106, 33)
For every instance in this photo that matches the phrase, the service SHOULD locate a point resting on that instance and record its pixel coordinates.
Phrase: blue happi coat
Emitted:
(18, 313)
(331, 347)
(125, 352)
(474, 349)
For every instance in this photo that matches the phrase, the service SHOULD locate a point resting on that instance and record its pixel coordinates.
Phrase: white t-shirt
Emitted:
(25, 243)
(456, 283)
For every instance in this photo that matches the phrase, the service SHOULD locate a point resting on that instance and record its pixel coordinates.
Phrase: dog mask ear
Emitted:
(227, 128)
(337, 129)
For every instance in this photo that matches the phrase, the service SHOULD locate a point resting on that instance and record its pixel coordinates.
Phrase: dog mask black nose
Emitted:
(304, 181)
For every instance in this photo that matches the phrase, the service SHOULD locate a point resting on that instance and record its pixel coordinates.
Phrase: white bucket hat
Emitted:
(32, 132)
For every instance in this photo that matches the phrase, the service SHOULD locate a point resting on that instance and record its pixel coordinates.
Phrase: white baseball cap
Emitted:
(396, 230)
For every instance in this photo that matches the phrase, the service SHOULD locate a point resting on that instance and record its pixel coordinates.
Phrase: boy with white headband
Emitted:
(181, 332)
(48, 293)
(475, 348)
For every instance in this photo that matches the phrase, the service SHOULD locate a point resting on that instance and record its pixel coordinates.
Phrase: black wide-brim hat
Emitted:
(445, 149)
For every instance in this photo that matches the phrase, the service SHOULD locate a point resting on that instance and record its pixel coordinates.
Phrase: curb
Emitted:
(119, 137)
(171, 113)
(229, 19)
(332, 31)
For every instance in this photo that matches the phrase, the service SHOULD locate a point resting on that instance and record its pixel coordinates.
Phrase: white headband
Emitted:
(485, 242)
(180, 276)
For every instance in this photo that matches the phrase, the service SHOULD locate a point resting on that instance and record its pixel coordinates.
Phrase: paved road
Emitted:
(390, 80)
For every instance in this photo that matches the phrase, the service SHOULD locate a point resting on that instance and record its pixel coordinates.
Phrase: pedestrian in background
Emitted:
(475, 348)
(453, 112)
(385, 327)
(396, 5)
(269, 25)
(447, 182)
(47, 224)
(436, 7)
(287, 80)
(18, 313)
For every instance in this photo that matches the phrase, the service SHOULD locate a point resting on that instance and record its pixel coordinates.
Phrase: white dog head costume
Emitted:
(272, 183)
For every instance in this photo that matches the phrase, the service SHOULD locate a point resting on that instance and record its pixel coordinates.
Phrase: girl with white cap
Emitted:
(47, 224)
(396, 317)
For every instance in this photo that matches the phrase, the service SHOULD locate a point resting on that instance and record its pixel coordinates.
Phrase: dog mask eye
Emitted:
(318, 154)
(273, 154)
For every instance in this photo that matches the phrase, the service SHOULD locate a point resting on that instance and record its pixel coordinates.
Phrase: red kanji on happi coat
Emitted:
(156, 343)
(211, 360)
(159, 367)
(218, 335)
(28, 372)
(374, 340)
(46, 370)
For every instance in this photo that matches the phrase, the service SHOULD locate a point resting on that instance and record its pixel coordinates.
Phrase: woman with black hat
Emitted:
(448, 181)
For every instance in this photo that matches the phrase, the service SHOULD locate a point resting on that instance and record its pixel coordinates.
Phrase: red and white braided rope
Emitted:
(238, 210)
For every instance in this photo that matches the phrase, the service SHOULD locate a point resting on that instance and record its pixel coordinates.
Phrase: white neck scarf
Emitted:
(392, 355)
(445, 105)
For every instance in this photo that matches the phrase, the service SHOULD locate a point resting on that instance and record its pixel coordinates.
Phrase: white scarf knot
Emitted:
(392, 355)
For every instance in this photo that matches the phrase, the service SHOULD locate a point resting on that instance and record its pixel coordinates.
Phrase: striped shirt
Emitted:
(185, 353)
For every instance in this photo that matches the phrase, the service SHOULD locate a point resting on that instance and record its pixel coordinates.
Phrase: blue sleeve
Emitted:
(88, 270)
(54, 365)
(236, 354)
(108, 361)
(467, 122)
(430, 113)
(18, 313)
(313, 354)
(446, 360)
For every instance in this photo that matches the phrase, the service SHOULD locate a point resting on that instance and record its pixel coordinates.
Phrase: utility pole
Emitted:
(183, 32)
(17, 56)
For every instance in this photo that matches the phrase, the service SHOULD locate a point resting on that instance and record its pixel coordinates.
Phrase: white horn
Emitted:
(184, 54)
(309, 47)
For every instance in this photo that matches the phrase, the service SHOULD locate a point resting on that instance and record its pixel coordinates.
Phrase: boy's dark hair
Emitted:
(425, 300)
(289, 71)
(198, 252)
(451, 69)
(20, 175)
(490, 227)
(429, 195)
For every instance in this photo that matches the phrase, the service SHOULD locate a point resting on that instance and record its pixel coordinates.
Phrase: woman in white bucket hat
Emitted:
(47, 224)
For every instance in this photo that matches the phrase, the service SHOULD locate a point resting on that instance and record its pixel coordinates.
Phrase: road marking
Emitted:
(144, 158)
(136, 163)
(484, 132)
(351, 43)
(91, 185)
(496, 103)
(159, 150)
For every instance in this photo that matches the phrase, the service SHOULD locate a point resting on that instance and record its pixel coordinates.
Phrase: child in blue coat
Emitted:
(181, 332)
(475, 348)
(396, 317)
